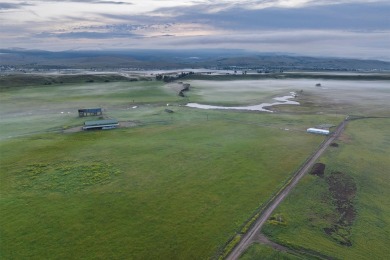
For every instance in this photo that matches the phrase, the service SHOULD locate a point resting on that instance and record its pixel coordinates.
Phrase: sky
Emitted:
(336, 28)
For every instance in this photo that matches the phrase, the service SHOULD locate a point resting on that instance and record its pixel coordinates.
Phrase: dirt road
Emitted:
(249, 237)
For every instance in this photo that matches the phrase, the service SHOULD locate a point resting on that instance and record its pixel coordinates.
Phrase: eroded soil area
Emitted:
(343, 190)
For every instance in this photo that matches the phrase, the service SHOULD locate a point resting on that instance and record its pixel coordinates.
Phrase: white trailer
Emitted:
(317, 131)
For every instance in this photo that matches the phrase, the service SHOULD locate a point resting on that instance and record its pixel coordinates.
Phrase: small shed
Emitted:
(101, 124)
(317, 131)
(90, 112)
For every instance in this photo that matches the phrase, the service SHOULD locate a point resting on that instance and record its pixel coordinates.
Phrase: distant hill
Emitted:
(172, 59)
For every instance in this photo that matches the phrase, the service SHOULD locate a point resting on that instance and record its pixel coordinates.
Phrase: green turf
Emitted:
(363, 156)
(262, 252)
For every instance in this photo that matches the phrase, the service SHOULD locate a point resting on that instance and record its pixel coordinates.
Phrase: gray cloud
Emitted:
(343, 28)
(112, 2)
(7, 5)
(359, 44)
(316, 43)
(86, 35)
(346, 16)
(96, 2)
(4, 6)
(351, 17)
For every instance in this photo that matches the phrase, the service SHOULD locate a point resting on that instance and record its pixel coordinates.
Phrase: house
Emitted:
(101, 124)
(90, 112)
(317, 131)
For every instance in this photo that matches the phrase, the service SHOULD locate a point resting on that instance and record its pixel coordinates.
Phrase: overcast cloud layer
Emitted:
(342, 28)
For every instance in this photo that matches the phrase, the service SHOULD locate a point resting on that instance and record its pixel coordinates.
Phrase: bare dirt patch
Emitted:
(318, 169)
(343, 190)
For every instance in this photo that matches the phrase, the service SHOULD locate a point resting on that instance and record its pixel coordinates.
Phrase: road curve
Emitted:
(248, 238)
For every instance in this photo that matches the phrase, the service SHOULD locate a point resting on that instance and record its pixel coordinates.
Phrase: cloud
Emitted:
(86, 35)
(344, 27)
(94, 2)
(304, 42)
(263, 4)
(8, 6)
(334, 43)
(341, 16)
(112, 2)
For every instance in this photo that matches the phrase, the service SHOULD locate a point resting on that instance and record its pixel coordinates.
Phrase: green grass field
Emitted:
(175, 191)
(262, 252)
(177, 186)
(362, 156)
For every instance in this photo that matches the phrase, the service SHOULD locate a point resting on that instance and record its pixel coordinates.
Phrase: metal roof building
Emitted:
(90, 112)
(101, 124)
(317, 131)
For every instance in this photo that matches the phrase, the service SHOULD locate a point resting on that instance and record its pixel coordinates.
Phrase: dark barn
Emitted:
(90, 112)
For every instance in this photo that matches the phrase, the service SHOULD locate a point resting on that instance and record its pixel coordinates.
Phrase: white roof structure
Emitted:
(317, 131)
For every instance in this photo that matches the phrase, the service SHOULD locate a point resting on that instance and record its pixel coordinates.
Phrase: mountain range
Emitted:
(178, 59)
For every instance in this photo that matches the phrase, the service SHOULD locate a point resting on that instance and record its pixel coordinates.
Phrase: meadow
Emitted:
(259, 251)
(176, 186)
(352, 223)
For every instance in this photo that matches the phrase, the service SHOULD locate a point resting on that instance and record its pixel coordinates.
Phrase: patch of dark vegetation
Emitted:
(170, 78)
(343, 190)
(186, 87)
(22, 80)
(277, 219)
(334, 144)
(318, 169)
(65, 177)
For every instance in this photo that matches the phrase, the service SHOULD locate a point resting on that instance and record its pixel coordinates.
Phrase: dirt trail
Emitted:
(250, 236)
(262, 239)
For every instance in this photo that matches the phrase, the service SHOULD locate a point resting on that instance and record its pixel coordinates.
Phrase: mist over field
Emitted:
(195, 129)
